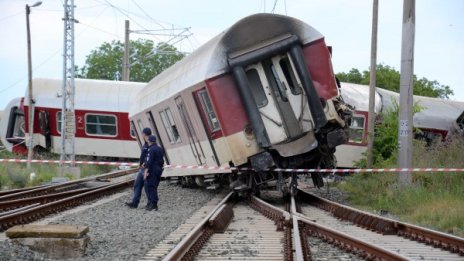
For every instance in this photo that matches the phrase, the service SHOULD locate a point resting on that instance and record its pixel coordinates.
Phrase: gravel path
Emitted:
(119, 233)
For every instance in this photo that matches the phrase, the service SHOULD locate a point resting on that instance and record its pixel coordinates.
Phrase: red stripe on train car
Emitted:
(228, 104)
(319, 64)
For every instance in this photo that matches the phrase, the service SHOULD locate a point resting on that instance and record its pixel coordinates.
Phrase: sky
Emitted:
(346, 25)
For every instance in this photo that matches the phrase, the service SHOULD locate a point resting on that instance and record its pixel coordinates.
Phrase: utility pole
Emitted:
(30, 143)
(68, 122)
(125, 62)
(406, 92)
(372, 83)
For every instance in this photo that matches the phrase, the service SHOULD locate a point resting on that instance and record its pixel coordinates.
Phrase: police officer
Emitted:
(139, 181)
(153, 170)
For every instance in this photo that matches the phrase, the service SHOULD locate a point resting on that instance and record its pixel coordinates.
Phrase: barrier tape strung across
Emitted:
(135, 164)
(69, 162)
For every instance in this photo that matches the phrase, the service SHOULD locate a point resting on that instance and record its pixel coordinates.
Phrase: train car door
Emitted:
(194, 142)
(284, 73)
(153, 126)
(271, 96)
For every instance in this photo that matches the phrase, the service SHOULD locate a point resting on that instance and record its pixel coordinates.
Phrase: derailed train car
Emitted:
(101, 112)
(262, 95)
(436, 121)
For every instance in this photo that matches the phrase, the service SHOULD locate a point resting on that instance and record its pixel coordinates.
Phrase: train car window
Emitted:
(280, 84)
(58, 121)
(19, 125)
(356, 130)
(101, 124)
(287, 69)
(209, 111)
(132, 131)
(256, 88)
(170, 126)
(460, 121)
(139, 122)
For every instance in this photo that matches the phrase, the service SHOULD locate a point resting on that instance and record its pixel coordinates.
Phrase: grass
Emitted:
(17, 175)
(434, 200)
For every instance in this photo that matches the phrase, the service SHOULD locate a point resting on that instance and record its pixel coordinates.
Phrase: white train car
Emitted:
(101, 112)
(437, 119)
(261, 94)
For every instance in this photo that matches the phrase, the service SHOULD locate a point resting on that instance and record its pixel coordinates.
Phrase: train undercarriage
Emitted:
(259, 173)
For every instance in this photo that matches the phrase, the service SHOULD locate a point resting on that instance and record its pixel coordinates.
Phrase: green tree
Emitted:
(389, 78)
(386, 137)
(353, 76)
(146, 60)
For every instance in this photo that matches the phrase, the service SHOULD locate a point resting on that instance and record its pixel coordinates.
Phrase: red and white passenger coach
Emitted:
(101, 112)
(436, 121)
(261, 94)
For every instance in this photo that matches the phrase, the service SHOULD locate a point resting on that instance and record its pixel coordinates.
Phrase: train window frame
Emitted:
(289, 74)
(141, 126)
(104, 115)
(19, 127)
(170, 126)
(58, 122)
(208, 110)
(281, 88)
(132, 123)
(356, 129)
(16, 126)
(257, 88)
(132, 131)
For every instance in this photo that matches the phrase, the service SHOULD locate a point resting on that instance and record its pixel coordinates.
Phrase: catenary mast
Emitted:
(68, 123)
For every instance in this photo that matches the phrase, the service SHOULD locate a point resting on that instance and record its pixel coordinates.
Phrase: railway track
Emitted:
(30, 205)
(252, 229)
(409, 241)
(234, 228)
(15, 194)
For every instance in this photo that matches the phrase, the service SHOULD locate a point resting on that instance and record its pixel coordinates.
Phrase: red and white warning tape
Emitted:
(135, 164)
(69, 162)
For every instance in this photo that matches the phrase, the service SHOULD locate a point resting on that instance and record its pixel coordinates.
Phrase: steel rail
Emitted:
(293, 249)
(181, 250)
(12, 191)
(365, 249)
(17, 203)
(384, 225)
(43, 190)
(303, 226)
(19, 209)
(32, 214)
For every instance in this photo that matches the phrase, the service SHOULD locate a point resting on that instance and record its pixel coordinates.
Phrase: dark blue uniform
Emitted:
(138, 184)
(154, 164)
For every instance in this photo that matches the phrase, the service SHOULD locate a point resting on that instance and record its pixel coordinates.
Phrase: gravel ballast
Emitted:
(119, 233)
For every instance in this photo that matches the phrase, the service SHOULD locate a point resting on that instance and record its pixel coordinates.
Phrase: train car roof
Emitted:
(435, 113)
(358, 96)
(98, 95)
(210, 59)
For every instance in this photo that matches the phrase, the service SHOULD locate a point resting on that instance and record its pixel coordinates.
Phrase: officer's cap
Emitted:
(146, 131)
(152, 138)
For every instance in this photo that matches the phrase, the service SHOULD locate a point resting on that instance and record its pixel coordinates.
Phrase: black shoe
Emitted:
(151, 207)
(130, 205)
